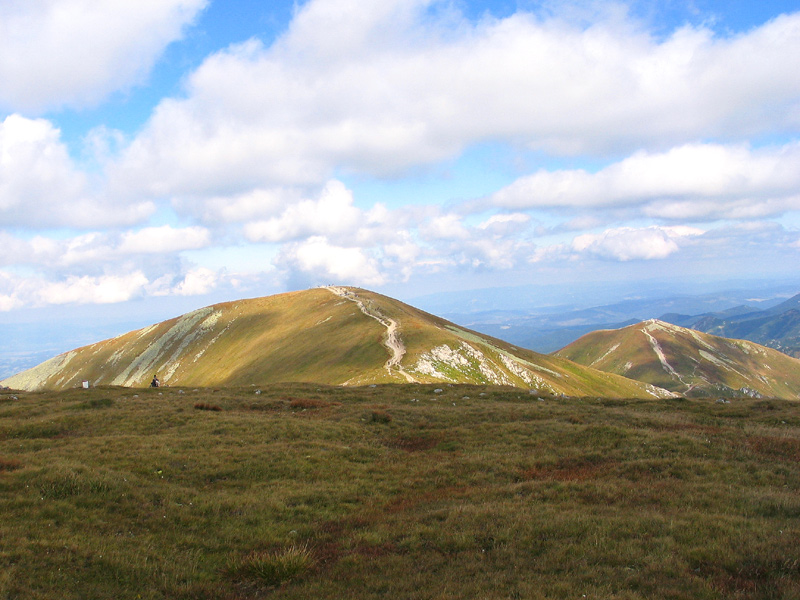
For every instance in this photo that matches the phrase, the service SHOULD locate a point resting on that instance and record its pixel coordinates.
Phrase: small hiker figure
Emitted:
(155, 382)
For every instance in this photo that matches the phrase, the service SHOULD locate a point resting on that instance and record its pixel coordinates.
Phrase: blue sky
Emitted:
(187, 151)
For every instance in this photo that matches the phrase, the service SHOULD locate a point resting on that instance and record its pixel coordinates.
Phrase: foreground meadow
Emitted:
(408, 492)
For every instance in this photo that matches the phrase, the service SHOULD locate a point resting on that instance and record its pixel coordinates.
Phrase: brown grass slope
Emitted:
(337, 336)
(687, 361)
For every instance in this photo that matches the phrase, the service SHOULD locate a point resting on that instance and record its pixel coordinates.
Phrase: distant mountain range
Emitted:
(552, 329)
(333, 335)
(688, 362)
(777, 327)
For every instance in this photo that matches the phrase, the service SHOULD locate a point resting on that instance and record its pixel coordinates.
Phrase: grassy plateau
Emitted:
(395, 491)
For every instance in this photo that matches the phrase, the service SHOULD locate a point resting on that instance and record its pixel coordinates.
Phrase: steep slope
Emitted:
(687, 361)
(334, 335)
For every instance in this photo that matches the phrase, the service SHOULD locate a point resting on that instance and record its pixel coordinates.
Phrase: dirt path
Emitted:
(392, 340)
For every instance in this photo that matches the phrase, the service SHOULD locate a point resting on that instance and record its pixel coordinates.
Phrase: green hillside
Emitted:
(337, 336)
(688, 362)
(395, 491)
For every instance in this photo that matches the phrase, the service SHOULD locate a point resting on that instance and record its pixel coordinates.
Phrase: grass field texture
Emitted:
(395, 491)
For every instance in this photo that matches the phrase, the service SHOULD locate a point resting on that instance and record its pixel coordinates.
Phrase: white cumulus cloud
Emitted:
(41, 187)
(331, 214)
(95, 248)
(692, 181)
(39, 290)
(164, 240)
(106, 289)
(628, 243)
(320, 261)
(197, 282)
(505, 224)
(75, 52)
(445, 227)
(380, 87)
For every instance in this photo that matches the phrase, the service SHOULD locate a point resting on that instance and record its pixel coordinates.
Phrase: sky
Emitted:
(185, 151)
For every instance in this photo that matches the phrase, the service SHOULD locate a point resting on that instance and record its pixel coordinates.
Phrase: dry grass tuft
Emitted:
(272, 568)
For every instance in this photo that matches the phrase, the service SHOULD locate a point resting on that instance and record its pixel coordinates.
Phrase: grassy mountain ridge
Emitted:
(688, 362)
(338, 336)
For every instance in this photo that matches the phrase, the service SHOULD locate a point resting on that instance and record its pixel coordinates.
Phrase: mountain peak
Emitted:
(688, 361)
(653, 324)
(328, 335)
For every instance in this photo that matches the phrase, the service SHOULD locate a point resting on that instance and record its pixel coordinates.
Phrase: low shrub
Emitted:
(204, 406)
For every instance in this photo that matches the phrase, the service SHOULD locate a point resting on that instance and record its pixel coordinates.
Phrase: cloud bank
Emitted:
(381, 89)
(675, 143)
